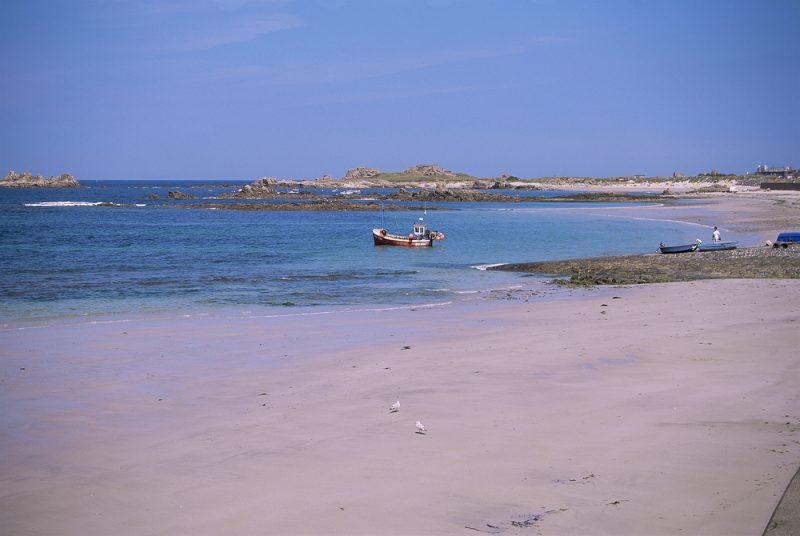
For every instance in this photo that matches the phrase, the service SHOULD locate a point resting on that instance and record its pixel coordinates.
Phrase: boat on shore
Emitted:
(786, 239)
(685, 248)
(420, 237)
(717, 246)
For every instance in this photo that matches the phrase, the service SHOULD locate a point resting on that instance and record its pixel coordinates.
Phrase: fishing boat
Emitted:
(717, 246)
(420, 237)
(687, 248)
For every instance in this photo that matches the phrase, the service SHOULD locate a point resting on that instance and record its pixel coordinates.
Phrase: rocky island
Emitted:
(436, 177)
(26, 180)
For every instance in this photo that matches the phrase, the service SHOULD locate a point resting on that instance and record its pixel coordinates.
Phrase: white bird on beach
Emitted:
(394, 408)
(420, 428)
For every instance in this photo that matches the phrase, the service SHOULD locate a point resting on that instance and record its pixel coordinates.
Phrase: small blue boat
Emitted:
(687, 248)
(788, 237)
(717, 246)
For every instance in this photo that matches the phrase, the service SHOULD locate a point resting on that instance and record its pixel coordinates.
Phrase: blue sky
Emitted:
(239, 89)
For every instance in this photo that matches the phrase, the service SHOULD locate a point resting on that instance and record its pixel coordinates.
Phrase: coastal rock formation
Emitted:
(263, 187)
(26, 180)
(180, 195)
(316, 205)
(361, 173)
(741, 263)
(443, 194)
(267, 188)
(428, 170)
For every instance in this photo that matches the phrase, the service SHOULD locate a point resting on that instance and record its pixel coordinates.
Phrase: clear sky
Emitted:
(240, 89)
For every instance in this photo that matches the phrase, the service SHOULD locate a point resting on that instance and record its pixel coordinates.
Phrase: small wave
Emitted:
(356, 310)
(231, 279)
(484, 267)
(347, 276)
(68, 204)
(397, 272)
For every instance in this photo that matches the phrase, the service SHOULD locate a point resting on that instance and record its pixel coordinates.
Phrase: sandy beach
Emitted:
(654, 409)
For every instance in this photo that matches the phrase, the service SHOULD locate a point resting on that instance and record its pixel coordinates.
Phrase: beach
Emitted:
(669, 408)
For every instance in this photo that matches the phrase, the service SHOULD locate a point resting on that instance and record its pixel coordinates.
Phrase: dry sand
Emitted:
(760, 213)
(659, 409)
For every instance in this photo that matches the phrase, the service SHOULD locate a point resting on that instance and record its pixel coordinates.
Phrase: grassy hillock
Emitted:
(408, 177)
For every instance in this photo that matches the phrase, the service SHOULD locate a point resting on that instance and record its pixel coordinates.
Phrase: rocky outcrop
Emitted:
(428, 170)
(263, 187)
(361, 173)
(318, 205)
(442, 194)
(180, 195)
(741, 263)
(26, 180)
(267, 188)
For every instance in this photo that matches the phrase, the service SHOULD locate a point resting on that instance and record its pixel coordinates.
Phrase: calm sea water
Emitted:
(62, 255)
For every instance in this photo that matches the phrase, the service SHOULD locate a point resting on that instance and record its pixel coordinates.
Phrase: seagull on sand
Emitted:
(394, 408)
(420, 428)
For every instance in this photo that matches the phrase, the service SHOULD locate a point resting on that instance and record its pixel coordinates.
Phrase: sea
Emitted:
(113, 249)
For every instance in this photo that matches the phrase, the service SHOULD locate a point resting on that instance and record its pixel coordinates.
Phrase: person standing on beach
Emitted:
(715, 235)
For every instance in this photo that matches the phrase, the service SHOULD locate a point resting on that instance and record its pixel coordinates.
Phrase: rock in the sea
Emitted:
(26, 180)
(263, 187)
(444, 194)
(180, 195)
(361, 173)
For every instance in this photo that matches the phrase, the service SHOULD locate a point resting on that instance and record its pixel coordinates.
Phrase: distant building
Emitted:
(786, 171)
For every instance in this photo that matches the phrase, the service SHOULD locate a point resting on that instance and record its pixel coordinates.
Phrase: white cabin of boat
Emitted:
(418, 229)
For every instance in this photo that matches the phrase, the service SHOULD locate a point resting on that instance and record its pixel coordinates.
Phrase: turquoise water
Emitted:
(63, 256)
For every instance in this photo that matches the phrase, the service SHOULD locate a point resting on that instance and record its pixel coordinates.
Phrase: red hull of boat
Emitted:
(382, 238)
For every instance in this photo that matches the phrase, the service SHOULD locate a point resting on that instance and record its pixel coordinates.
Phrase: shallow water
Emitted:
(66, 252)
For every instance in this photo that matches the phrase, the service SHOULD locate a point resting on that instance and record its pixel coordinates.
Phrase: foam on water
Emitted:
(484, 267)
(67, 204)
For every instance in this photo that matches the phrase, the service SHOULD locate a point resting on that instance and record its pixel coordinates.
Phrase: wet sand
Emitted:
(656, 409)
